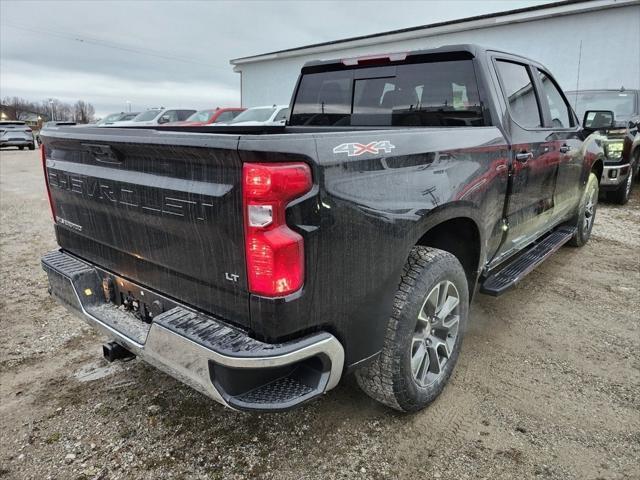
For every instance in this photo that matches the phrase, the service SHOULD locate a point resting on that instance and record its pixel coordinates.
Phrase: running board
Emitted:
(502, 280)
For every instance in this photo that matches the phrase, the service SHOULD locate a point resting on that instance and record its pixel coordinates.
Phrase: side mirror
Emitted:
(164, 119)
(598, 119)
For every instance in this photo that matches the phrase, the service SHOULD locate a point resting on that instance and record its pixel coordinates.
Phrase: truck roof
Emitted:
(468, 50)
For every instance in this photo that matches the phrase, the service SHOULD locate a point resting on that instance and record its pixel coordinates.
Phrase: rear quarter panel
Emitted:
(369, 210)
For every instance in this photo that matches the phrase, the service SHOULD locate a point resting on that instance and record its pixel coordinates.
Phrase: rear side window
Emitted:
(559, 110)
(184, 114)
(421, 94)
(520, 94)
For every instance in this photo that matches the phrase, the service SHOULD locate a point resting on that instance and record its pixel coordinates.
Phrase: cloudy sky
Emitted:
(177, 54)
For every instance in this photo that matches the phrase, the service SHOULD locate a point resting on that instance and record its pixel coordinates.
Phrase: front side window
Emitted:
(558, 108)
(420, 94)
(520, 94)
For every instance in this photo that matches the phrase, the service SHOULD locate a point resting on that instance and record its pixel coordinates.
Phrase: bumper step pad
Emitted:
(502, 280)
(211, 334)
(282, 390)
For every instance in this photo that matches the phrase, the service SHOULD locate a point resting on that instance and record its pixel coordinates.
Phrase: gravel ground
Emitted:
(547, 386)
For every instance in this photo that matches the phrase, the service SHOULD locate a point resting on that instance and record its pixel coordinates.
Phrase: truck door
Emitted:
(564, 144)
(534, 166)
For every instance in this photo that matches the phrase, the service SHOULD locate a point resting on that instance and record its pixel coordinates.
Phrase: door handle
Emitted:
(565, 149)
(523, 156)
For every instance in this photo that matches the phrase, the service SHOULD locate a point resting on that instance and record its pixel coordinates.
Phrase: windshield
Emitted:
(201, 116)
(254, 115)
(621, 103)
(147, 116)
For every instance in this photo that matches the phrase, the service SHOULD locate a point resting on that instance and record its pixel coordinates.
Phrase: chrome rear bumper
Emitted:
(214, 358)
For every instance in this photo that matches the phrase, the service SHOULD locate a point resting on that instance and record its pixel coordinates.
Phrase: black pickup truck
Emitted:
(260, 265)
(621, 163)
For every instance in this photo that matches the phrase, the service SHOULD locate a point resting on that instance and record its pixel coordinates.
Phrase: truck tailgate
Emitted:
(163, 209)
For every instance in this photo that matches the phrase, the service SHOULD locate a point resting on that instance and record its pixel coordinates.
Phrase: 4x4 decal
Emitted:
(356, 149)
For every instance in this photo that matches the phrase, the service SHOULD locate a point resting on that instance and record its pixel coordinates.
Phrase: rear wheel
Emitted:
(424, 333)
(21, 148)
(583, 221)
(32, 146)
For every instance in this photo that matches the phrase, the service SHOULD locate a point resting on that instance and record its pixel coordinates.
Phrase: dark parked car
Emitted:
(619, 170)
(261, 264)
(14, 133)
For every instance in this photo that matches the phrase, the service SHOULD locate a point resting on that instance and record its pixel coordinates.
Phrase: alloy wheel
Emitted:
(589, 211)
(436, 332)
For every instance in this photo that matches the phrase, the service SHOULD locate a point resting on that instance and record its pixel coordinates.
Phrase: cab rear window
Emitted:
(440, 94)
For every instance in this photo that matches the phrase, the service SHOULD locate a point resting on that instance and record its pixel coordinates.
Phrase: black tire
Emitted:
(32, 146)
(392, 378)
(584, 219)
(622, 194)
(20, 148)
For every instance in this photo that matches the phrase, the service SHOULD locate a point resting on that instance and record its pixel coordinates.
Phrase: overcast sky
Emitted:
(177, 53)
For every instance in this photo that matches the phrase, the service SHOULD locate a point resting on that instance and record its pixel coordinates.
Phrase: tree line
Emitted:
(50, 109)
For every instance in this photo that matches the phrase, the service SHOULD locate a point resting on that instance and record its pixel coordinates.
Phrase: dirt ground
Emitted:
(547, 386)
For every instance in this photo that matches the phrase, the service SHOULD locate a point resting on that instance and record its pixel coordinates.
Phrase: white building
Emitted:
(600, 39)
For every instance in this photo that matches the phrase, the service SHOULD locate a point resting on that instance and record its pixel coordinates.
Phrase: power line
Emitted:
(108, 44)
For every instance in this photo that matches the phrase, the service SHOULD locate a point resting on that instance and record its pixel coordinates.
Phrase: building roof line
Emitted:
(562, 8)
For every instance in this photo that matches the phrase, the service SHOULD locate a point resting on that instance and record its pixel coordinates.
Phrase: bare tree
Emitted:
(84, 112)
(52, 108)
(22, 108)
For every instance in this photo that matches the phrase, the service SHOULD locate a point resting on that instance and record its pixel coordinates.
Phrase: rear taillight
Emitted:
(46, 181)
(274, 252)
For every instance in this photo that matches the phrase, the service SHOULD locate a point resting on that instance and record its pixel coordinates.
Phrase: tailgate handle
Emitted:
(103, 153)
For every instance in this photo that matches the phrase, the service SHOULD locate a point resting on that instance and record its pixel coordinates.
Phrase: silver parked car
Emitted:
(156, 116)
(15, 133)
(117, 117)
